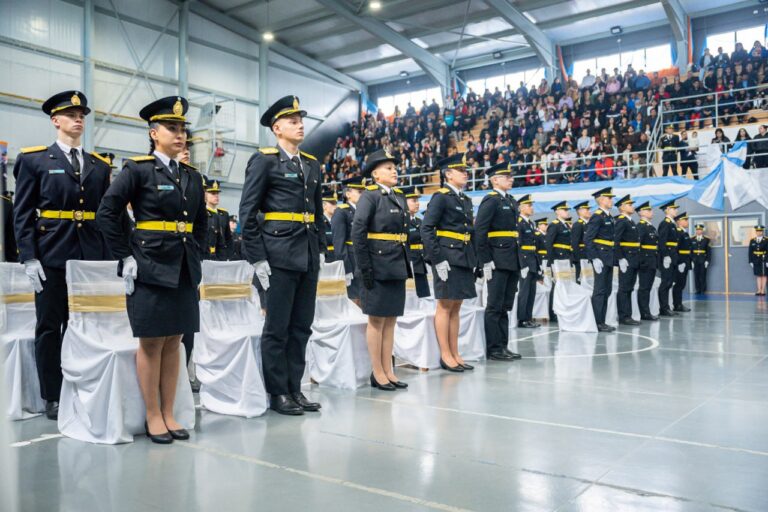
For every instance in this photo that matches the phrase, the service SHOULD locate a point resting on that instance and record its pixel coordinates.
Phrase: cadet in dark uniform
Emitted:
(10, 252)
(496, 235)
(683, 263)
(329, 207)
(226, 234)
(758, 259)
(701, 255)
(286, 250)
(58, 189)
(668, 236)
(380, 242)
(670, 146)
(577, 236)
(447, 232)
(528, 261)
(215, 248)
(599, 238)
(237, 239)
(415, 244)
(341, 224)
(160, 258)
(649, 260)
(558, 244)
(627, 251)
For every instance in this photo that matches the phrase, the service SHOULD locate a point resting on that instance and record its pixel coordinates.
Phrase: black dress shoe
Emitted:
(399, 384)
(605, 328)
(304, 403)
(534, 324)
(667, 312)
(629, 321)
(180, 435)
(514, 355)
(500, 356)
(284, 404)
(164, 438)
(384, 387)
(52, 410)
(457, 368)
(525, 324)
(649, 317)
(682, 309)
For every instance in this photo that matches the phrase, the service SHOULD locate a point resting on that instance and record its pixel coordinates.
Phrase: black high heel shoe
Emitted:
(456, 369)
(399, 384)
(384, 387)
(159, 438)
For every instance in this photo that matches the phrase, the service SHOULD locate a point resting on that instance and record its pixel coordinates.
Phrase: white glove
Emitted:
(322, 259)
(523, 272)
(35, 273)
(667, 261)
(598, 264)
(130, 272)
(752, 265)
(623, 265)
(488, 270)
(442, 269)
(681, 268)
(262, 273)
(348, 278)
(706, 264)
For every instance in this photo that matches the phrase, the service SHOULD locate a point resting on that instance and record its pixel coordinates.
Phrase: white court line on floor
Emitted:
(716, 352)
(653, 345)
(323, 478)
(29, 442)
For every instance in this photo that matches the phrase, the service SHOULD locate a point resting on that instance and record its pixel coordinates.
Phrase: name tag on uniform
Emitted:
(412, 230)
(393, 210)
(292, 175)
(165, 187)
(608, 223)
(459, 208)
(55, 171)
(506, 207)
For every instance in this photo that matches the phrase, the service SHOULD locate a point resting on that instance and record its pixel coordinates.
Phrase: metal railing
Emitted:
(666, 105)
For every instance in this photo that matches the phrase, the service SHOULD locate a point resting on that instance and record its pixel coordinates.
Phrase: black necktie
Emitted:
(296, 161)
(75, 161)
(174, 169)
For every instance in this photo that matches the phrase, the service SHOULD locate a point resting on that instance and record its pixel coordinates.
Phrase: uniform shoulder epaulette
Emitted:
(143, 158)
(372, 187)
(311, 157)
(343, 205)
(620, 216)
(537, 233)
(190, 166)
(397, 190)
(555, 221)
(269, 151)
(210, 210)
(222, 210)
(581, 220)
(599, 212)
(494, 193)
(667, 219)
(106, 161)
(443, 190)
(33, 149)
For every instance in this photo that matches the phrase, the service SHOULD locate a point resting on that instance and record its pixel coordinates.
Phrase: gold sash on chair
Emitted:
(96, 303)
(232, 291)
(331, 287)
(17, 298)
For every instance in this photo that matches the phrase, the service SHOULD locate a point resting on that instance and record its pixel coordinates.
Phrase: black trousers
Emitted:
(693, 166)
(501, 297)
(646, 278)
(526, 297)
(700, 276)
(422, 285)
(670, 168)
(667, 280)
(52, 313)
(287, 328)
(681, 279)
(577, 267)
(627, 282)
(600, 292)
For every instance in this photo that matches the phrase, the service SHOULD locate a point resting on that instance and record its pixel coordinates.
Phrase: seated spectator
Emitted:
(588, 81)
(604, 167)
(534, 176)
(642, 82)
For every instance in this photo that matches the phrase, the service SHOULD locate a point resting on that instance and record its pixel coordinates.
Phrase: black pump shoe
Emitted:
(456, 369)
(165, 438)
(399, 384)
(384, 387)
(467, 367)
(179, 435)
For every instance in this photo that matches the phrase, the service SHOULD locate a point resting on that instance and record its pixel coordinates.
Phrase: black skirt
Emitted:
(353, 290)
(759, 268)
(422, 285)
(386, 298)
(459, 286)
(155, 311)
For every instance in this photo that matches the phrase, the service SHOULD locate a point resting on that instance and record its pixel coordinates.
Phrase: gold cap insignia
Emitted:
(75, 100)
(464, 159)
(178, 108)
(295, 103)
(386, 154)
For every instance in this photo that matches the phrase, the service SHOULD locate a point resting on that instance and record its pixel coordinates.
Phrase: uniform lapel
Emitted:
(184, 173)
(55, 153)
(89, 162)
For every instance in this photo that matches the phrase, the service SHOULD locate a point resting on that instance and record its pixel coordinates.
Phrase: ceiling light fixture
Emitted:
(268, 36)
(403, 73)
(375, 5)
(616, 30)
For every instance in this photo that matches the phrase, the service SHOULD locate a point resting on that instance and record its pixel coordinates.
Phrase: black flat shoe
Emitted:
(683, 309)
(399, 384)
(52, 410)
(467, 367)
(304, 403)
(500, 356)
(514, 355)
(284, 404)
(605, 328)
(652, 318)
(180, 435)
(456, 369)
(629, 321)
(667, 312)
(384, 387)
(165, 438)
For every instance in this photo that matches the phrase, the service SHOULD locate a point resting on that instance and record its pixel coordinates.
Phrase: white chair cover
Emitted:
(415, 338)
(337, 352)
(612, 312)
(653, 302)
(587, 274)
(17, 339)
(100, 397)
(541, 301)
(571, 303)
(227, 351)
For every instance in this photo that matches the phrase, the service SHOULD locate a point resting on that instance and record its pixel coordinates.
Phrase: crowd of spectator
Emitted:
(594, 130)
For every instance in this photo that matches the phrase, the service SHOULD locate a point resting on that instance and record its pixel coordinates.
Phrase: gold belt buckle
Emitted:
(181, 226)
(78, 215)
(306, 216)
(467, 236)
(403, 238)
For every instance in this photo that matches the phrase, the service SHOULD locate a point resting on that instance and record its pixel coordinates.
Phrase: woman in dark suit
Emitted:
(160, 258)
(379, 238)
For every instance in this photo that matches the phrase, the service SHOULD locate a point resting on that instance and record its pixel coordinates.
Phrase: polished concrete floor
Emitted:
(670, 416)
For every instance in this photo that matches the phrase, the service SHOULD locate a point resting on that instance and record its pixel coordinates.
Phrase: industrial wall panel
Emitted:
(222, 71)
(316, 97)
(49, 23)
(151, 11)
(35, 75)
(216, 34)
(116, 93)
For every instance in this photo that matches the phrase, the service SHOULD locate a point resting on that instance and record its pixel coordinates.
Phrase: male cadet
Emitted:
(649, 260)
(701, 255)
(558, 243)
(341, 223)
(215, 248)
(9, 250)
(577, 236)
(415, 244)
(683, 262)
(758, 248)
(228, 251)
(670, 145)
(541, 246)
(599, 239)
(58, 190)
(627, 249)
(329, 207)
(496, 232)
(286, 250)
(668, 236)
(528, 261)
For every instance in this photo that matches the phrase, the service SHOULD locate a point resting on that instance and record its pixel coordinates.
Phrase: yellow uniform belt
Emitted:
(629, 244)
(528, 247)
(758, 253)
(305, 217)
(417, 247)
(683, 251)
(67, 215)
(562, 246)
(389, 237)
(649, 247)
(348, 242)
(699, 251)
(671, 244)
(330, 247)
(212, 250)
(603, 242)
(500, 234)
(582, 245)
(464, 237)
(165, 225)
(542, 251)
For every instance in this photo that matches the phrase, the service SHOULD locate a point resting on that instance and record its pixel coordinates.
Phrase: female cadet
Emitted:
(379, 238)
(758, 259)
(160, 259)
(447, 233)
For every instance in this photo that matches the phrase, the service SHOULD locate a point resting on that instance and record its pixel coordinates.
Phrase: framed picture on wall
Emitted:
(713, 229)
(742, 231)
